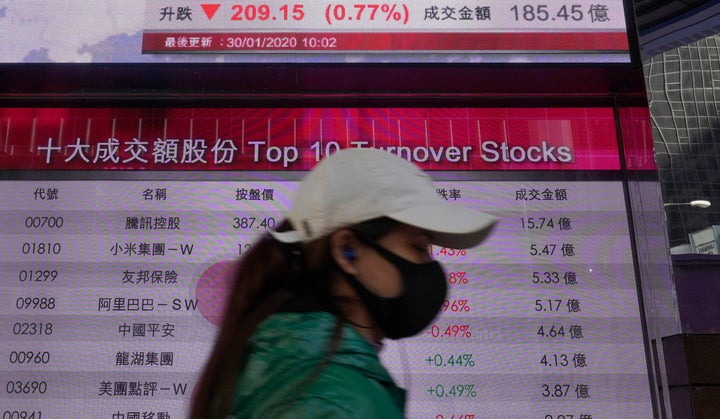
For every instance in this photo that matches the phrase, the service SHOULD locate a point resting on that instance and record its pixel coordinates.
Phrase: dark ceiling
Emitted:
(654, 12)
(665, 24)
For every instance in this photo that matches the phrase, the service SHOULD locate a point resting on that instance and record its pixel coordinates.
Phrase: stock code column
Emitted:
(542, 321)
(111, 291)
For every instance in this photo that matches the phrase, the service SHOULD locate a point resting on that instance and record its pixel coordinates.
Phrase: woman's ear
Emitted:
(343, 249)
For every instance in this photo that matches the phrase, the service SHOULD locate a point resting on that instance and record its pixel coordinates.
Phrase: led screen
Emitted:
(114, 267)
(134, 31)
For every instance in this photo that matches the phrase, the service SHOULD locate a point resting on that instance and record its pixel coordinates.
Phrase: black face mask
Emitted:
(424, 288)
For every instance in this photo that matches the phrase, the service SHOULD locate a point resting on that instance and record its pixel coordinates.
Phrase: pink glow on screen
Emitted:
(295, 139)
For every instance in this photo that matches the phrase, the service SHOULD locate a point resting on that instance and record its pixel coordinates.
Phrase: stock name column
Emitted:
(154, 245)
(542, 320)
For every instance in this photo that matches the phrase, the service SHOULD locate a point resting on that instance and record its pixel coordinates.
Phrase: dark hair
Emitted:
(271, 278)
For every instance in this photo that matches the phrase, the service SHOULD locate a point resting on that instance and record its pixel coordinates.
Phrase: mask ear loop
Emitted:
(296, 264)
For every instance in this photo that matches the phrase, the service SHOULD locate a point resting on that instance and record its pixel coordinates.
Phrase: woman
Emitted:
(313, 300)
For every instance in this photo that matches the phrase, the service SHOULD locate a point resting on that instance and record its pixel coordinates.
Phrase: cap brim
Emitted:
(291, 236)
(450, 225)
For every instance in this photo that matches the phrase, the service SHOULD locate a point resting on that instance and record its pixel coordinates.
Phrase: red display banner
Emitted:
(386, 41)
(297, 138)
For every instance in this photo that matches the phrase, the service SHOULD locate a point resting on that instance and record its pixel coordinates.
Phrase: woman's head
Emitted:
(390, 273)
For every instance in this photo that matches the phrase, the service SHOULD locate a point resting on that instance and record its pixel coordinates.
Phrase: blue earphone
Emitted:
(349, 254)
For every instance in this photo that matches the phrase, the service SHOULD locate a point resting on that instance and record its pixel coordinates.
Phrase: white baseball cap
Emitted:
(361, 184)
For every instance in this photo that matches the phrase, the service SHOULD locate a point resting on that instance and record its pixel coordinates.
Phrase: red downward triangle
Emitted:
(210, 10)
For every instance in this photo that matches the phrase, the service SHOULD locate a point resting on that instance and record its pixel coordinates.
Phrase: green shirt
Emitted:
(287, 348)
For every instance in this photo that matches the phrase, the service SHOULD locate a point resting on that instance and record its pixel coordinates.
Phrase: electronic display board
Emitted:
(120, 230)
(333, 31)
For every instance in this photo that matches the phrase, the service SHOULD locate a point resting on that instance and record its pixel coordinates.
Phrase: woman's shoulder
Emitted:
(287, 372)
(294, 390)
(338, 392)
